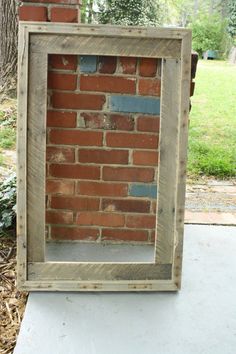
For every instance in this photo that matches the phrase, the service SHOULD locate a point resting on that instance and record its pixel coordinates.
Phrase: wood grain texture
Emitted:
(22, 156)
(83, 286)
(107, 30)
(98, 271)
(167, 175)
(182, 157)
(165, 275)
(89, 45)
(36, 156)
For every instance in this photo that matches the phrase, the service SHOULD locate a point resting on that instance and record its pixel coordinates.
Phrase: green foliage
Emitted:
(208, 33)
(130, 12)
(8, 203)
(7, 127)
(8, 117)
(87, 11)
(7, 138)
(232, 18)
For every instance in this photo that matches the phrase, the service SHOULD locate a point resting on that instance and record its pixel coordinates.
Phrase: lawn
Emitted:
(212, 135)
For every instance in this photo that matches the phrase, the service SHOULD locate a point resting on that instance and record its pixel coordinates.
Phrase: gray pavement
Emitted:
(201, 318)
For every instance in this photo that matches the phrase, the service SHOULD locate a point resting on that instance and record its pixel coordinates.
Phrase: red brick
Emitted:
(58, 154)
(74, 233)
(74, 203)
(128, 65)
(149, 87)
(129, 174)
(107, 121)
(62, 81)
(104, 156)
(61, 14)
(121, 122)
(124, 235)
(75, 137)
(153, 236)
(61, 119)
(107, 65)
(78, 101)
(126, 205)
(33, 13)
(148, 124)
(66, 62)
(59, 217)
(148, 67)
(55, 186)
(100, 219)
(102, 189)
(107, 84)
(141, 221)
(154, 207)
(74, 171)
(148, 158)
(146, 141)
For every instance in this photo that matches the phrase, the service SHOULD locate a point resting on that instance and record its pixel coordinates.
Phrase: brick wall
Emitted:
(102, 139)
(103, 125)
(50, 10)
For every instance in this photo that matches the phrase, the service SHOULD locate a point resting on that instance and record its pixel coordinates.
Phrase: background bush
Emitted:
(8, 204)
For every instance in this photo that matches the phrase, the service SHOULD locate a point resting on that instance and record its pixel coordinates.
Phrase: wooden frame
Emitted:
(36, 41)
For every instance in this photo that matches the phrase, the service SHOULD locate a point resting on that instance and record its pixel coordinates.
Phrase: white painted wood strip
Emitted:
(167, 173)
(37, 156)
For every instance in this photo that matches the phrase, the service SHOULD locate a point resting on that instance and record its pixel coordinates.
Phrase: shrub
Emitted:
(8, 204)
(208, 33)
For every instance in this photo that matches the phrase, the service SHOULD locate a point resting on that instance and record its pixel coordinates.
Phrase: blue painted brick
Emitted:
(88, 64)
(135, 104)
(143, 190)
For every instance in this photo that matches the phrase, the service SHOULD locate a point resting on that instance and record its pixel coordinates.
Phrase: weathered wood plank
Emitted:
(107, 30)
(97, 276)
(182, 157)
(22, 155)
(167, 175)
(159, 285)
(98, 271)
(89, 45)
(36, 156)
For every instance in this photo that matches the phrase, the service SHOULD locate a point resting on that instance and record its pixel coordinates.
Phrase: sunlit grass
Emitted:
(212, 134)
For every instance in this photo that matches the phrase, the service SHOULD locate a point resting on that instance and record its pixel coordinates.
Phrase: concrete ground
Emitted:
(200, 319)
(210, 201)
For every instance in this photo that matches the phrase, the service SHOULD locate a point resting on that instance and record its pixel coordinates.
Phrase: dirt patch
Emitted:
(12, 301)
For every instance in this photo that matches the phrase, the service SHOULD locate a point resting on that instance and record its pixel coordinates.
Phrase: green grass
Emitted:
(7, 137)
(212, 134)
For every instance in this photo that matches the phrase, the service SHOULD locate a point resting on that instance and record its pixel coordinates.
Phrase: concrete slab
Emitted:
(93, 252)
(210, 218)
(201, 319)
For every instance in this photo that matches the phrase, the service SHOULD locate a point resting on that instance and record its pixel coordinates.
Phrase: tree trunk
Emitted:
(232, 56)
(90, 11)
(8, 45)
